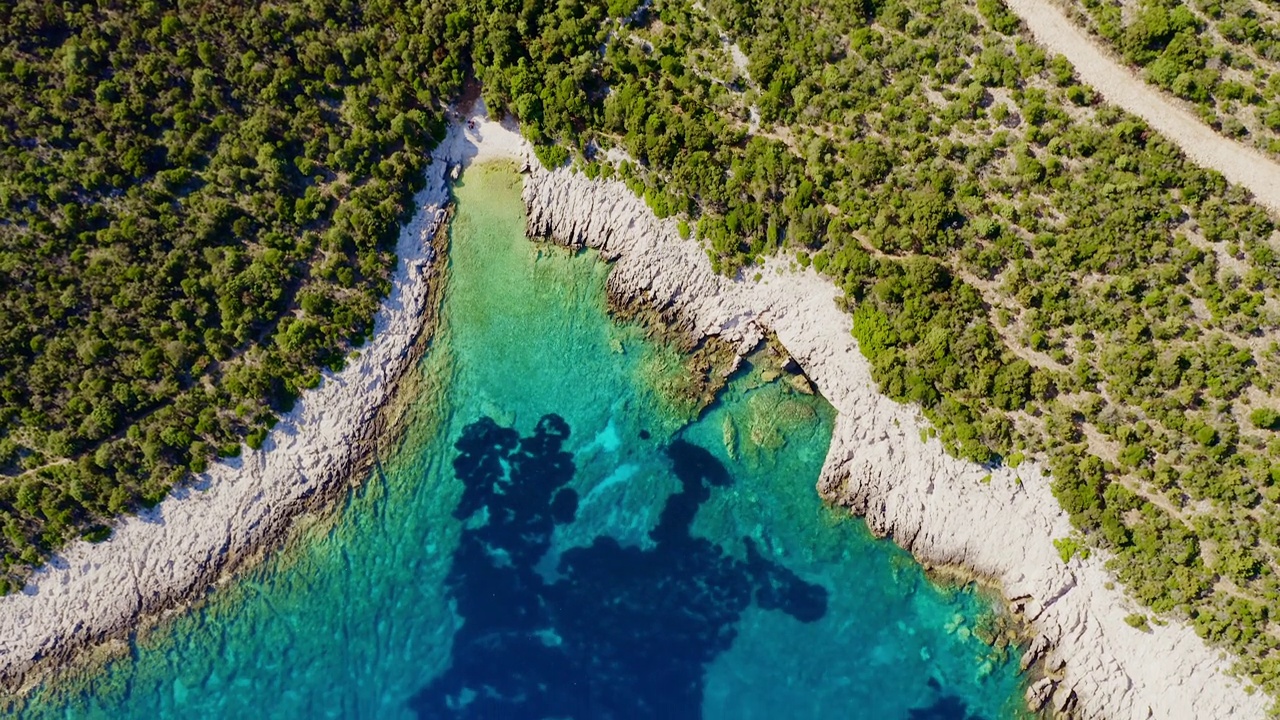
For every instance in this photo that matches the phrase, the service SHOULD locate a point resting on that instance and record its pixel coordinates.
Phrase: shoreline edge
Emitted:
(936, 506)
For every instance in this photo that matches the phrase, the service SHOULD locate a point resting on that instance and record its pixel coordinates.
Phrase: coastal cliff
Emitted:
(998, 523)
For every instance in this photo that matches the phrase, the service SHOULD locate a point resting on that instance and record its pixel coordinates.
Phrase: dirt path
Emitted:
(1238, 163)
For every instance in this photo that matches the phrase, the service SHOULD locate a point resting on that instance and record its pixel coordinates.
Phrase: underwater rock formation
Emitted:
(618, 631)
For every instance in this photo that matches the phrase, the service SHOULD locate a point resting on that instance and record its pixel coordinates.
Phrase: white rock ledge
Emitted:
(932, 504)
(89, 593)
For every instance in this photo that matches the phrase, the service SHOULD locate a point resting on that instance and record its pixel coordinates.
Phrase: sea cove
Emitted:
(476, 573)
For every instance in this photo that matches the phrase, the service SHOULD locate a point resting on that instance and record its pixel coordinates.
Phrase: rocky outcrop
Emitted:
(673, 278)
(164, 556)
(944, 510)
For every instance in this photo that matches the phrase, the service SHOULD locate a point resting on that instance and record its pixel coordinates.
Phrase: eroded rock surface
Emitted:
(932, 504)
(173, 552)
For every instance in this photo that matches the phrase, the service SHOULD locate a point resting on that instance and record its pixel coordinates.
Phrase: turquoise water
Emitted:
(551, 537)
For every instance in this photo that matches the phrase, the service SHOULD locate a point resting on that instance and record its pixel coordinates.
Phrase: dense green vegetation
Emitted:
(1219, 55)
(1041, 273)
(198, 203)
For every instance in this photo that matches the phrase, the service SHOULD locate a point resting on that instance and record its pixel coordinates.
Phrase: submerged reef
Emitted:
(946, 707)
(616, 631)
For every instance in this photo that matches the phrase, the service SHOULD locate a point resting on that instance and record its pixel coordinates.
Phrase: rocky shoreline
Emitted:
(945, 511)
(999, 524)
(163, 558)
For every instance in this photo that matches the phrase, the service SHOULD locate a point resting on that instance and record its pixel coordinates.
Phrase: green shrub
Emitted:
(255, 438)
(97, 534)
(1139, 621)
(1070, 547)
(1265, 419)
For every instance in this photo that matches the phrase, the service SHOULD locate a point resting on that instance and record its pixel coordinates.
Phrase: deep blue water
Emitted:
(553, 537)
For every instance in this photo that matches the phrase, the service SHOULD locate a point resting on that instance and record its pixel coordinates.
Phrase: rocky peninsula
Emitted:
(997, 523)
(92, 594)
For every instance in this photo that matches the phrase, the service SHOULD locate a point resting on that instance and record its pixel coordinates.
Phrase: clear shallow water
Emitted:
(551, 538)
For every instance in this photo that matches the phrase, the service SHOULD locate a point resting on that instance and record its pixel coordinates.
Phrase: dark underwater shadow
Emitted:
(946, 707)
(623, 632)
